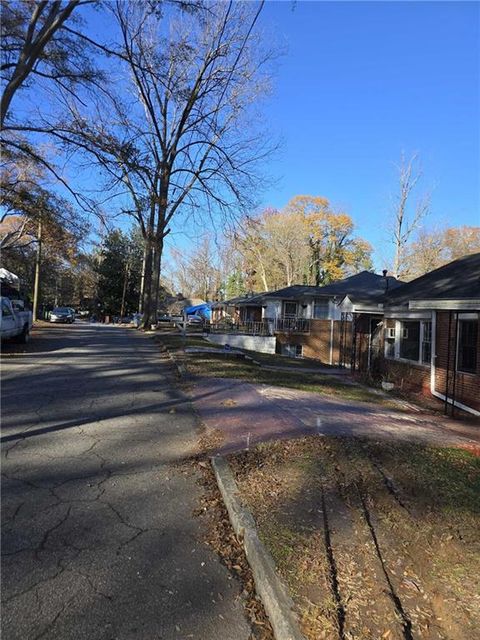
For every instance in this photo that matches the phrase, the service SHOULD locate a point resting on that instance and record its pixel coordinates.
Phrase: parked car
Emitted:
(195, 320)
(62, 314)
(14, 322)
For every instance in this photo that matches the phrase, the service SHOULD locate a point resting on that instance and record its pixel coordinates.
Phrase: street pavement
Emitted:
(99, 540)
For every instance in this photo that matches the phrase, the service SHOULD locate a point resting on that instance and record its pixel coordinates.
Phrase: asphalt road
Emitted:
(98, 536)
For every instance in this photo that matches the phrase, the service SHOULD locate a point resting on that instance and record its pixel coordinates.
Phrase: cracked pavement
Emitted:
(99, 540)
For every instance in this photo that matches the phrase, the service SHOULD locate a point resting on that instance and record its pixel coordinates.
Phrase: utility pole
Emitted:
(38, 263)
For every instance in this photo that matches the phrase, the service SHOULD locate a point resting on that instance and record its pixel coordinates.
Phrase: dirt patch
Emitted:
(375, 539)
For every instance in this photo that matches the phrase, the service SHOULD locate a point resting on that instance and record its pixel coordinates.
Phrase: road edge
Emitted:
(270, 588)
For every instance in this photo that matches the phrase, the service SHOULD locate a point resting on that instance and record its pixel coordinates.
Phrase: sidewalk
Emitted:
(243, 414)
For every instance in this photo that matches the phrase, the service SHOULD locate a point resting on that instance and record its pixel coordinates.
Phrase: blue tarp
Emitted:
(202, 310)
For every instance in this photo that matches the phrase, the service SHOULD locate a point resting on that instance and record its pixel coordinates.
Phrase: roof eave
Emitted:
(470, 304)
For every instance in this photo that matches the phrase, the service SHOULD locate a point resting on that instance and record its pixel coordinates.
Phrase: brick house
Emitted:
(307, 321)
(424, 335)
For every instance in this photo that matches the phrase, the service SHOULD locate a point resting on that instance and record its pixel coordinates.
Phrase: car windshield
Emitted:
(61, 310)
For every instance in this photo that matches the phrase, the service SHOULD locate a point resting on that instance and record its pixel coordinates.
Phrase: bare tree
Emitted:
(188, 144)
(407, 215)
(34, 45)
(42, 59)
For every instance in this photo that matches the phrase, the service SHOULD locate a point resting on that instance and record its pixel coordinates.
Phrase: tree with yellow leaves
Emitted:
(307, 242)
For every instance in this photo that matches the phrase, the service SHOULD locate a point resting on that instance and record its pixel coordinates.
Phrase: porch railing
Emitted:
(291, 325)
(249, 327)
(267, 327)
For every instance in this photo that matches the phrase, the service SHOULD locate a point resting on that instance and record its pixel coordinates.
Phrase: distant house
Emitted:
(176, 305)
(424, 335)
(240, 310)
(305, 320)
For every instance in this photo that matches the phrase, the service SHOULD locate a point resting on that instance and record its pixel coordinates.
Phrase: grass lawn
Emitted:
(376, 540)
(225, 365)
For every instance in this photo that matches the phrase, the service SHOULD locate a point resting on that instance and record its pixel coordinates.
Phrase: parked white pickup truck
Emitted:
(14, 322)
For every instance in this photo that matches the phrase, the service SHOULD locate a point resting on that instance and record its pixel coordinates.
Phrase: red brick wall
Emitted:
(467, 385)
(408, 376)
(316, 343)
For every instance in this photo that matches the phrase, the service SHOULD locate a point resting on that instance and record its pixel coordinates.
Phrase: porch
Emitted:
(265, 327)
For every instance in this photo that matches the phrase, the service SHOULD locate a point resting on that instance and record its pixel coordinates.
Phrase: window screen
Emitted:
(410, 340)
(467, 345)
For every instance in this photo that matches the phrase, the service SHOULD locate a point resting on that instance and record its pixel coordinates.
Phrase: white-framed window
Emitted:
(467, 345)
(320, 309)
(292, 350)
(411, 340)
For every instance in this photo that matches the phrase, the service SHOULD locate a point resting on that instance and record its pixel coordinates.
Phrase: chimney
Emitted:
(385, 271)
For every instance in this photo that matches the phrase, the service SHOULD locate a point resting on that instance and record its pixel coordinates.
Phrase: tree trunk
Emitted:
(142, 281)
(157, 272)
(397, 260)
(38, 263)
(147, 285)
(147, 279)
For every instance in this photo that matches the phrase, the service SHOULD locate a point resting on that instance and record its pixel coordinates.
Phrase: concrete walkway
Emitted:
(99, 540)
(245, 414)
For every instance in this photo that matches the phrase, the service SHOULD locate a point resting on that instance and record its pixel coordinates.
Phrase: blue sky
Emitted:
(362, 81)
(359, 83)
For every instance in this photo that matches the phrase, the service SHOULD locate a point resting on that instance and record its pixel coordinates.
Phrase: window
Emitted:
(320, 309)
(6, 311)
(426, 342)
(292, 350)
(467, 345)
(410, 341)
(289, 309)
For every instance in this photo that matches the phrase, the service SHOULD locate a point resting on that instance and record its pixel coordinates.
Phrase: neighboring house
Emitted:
(432, 339)
(224, 309)
(424, 335)
(305, 320)
(308, 322)
(176, 305)
(240, 310)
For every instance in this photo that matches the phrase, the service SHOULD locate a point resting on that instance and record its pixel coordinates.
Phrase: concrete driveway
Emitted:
(98, 536)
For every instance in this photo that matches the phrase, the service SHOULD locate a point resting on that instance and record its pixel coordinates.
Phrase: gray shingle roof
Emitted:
(363, 284)
(255, 298)
(457, 280)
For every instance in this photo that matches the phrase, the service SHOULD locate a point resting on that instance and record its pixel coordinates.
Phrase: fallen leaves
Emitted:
(222, 539)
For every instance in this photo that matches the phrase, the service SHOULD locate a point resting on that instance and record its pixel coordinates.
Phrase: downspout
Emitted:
(448, 361)
(331, 341)
(433, 354)
(369, 348)
(455, 351)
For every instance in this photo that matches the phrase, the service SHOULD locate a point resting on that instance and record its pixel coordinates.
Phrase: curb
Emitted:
(181, 369)
(273, 593)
